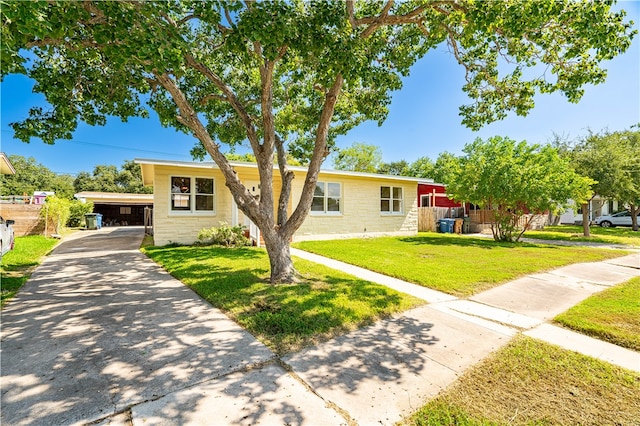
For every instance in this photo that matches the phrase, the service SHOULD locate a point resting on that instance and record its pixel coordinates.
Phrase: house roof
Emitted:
(148, 164)
(114, 197)
(6, 168)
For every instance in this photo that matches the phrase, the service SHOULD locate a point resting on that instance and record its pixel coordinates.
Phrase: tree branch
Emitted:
(233, 100)
(320, 152)
(189, 118)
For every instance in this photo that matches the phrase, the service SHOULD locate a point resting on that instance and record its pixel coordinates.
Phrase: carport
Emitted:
(118, 209)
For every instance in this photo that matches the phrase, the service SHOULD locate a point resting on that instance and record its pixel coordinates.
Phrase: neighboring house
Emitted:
(118, 208)
(40, 196)
(432, 194)
(191, 196)
(598, 206)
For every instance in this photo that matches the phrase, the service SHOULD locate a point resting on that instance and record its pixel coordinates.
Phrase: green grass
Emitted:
(612, 315)
(17, 265)
(455, 264)
(618, 235)
(285, 317)
(530, 382)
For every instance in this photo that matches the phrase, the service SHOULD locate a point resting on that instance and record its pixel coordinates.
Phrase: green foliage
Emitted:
(511, 179)
(612, 160)
(359, 157)
(32, 176)
(77, 210)
(95, 59)
(224, 235)
(395, 168)
(56, 211)
(423, 167)
(108, 178)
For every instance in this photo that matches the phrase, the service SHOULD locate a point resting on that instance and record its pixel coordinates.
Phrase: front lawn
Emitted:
(17, 265)
(530, 382)
(619, 235)
(456, 264)
(612, 315)
(284, 317)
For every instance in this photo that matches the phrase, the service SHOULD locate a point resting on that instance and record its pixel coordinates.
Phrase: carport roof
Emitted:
(114, 198)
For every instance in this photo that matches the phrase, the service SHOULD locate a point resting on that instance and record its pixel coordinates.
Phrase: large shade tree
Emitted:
(288, 76)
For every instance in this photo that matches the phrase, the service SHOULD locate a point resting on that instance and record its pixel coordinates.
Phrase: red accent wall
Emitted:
(428, 188)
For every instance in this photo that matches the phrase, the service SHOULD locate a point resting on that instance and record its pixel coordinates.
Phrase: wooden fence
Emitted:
(480, 217)
(26, 216)
(428, 216)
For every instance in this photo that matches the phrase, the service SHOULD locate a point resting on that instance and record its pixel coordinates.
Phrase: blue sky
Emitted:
(423, 118)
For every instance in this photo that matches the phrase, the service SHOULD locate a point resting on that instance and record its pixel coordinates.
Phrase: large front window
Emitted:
(326, 198)
(390, 199)
(192, 194)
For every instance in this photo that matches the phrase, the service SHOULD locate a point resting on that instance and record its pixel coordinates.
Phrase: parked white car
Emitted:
(618, 219)
(6, 236)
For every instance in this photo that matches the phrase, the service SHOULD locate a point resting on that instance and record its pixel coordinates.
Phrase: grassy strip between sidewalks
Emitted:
(455, 264)
(619, 235)
(284, 317)
(612, 315)
(17, 265)
(530, 382)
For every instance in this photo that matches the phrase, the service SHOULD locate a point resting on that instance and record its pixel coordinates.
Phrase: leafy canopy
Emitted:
(95, 59)
(513, 178)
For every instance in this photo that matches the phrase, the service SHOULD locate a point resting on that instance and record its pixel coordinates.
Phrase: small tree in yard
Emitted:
(287, 77)
(55, 212)
(512, 179)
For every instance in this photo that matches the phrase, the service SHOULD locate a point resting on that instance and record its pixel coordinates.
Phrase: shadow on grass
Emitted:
(286, 317)
(462, 241)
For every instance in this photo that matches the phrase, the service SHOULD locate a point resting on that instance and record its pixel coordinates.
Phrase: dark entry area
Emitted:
(121, 214)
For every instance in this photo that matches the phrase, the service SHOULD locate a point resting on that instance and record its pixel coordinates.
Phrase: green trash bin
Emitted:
(91, 220)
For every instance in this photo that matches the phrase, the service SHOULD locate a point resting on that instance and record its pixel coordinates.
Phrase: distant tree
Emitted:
(612, 161)
(288, 77)
(108, 178)
(395, 168)
(423, 167)
(55, 212)
(359, 157)
(513, 178)
(32, 176)
(441, 171)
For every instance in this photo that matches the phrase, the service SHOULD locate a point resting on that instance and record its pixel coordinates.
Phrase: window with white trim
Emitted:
(192, 194)
(326, 198)
(391, 199)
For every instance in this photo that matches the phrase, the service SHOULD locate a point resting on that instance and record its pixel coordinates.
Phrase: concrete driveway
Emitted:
(100, 328)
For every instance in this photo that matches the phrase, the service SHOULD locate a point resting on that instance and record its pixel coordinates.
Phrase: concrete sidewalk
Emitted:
(101, 334)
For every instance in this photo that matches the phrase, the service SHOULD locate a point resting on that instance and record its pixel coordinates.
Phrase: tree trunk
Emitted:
(585, 220)
(282, 270)
(634, 216)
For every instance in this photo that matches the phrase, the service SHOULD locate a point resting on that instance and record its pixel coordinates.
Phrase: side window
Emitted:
(204, 194)
(192, 194)
(327, 197)
(180, 193)
(390, 199)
